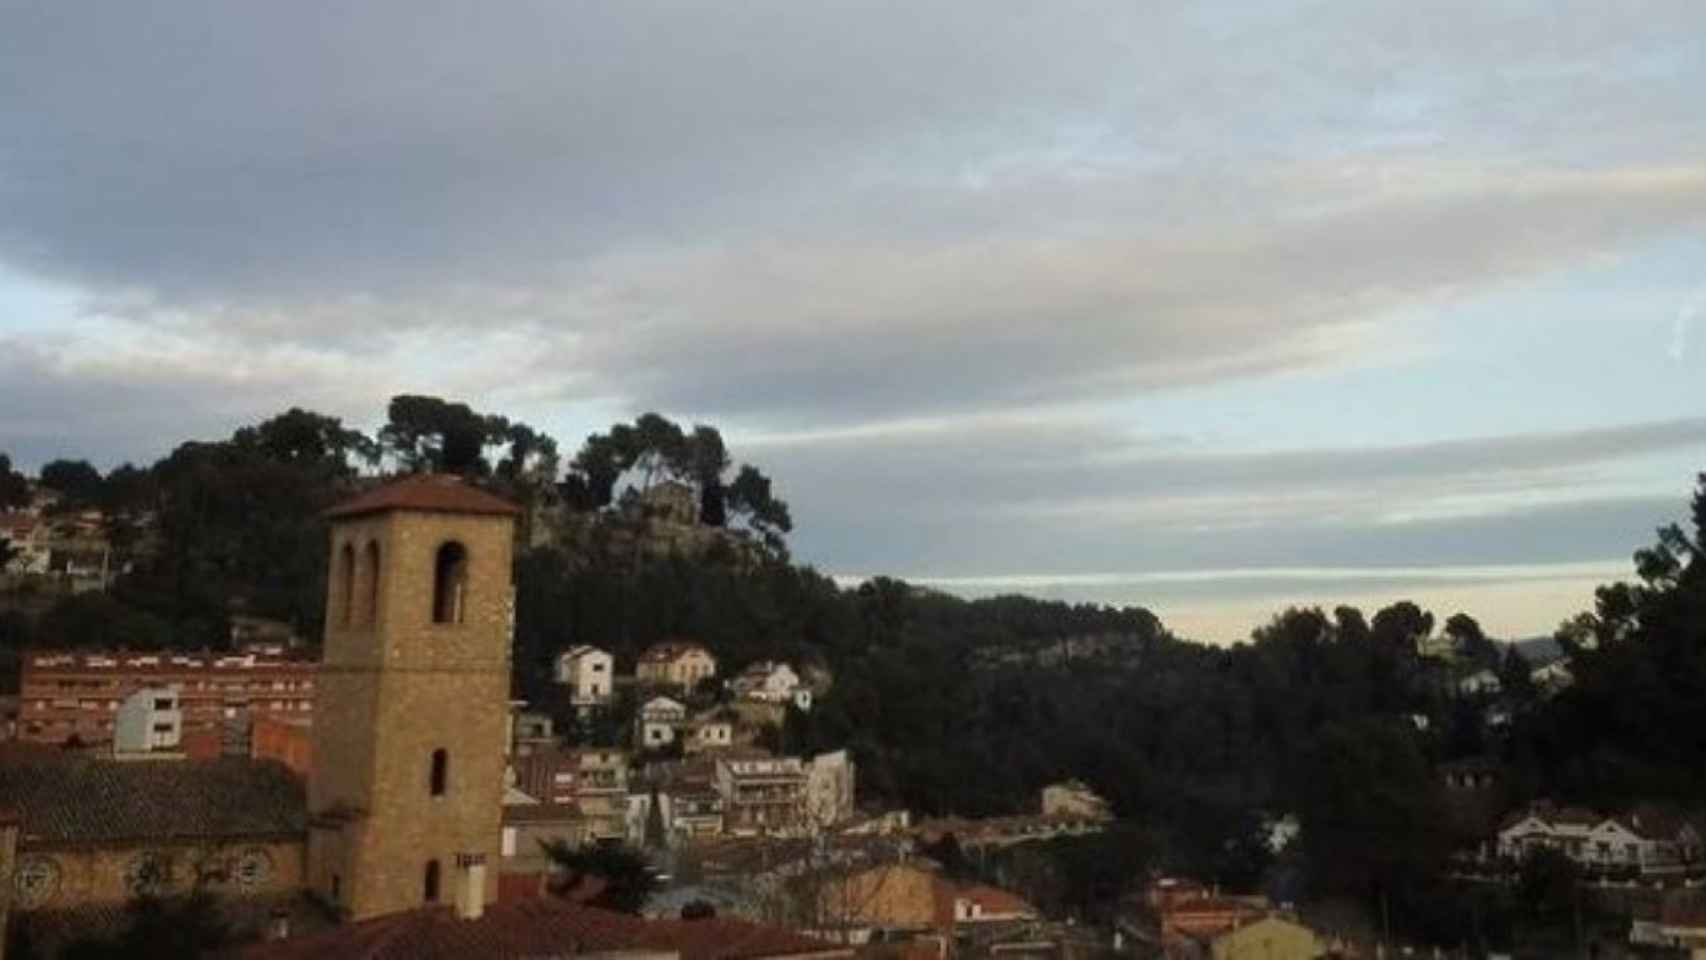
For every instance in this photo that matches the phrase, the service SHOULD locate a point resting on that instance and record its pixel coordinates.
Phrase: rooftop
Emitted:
(77, 800)
(434, 492)
(544, 927)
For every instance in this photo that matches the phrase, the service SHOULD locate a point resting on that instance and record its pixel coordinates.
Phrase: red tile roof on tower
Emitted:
(545, 927)
(437, 492)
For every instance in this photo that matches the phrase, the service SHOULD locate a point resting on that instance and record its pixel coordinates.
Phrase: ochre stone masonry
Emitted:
(395, 687)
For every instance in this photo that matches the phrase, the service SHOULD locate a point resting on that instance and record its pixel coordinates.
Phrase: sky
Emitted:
(1213, 308)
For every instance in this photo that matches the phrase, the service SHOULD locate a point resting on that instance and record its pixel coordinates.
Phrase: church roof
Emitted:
(79, 800)
(435, 492)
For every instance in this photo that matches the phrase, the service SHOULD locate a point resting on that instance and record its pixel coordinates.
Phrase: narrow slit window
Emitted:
(346, 584)
(370, 603)
(440, 772)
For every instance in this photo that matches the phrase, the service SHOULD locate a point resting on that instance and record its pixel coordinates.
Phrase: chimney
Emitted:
(471, 891)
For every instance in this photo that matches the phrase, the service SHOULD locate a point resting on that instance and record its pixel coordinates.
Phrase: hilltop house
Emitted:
(675, 663)
(658, 720)
(1647, 839)
(768, 681)
(589, 673)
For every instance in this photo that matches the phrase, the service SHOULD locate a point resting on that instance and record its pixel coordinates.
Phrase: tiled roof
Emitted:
(437, 492)
(671, 650)
(78, 800)
(540, 928)
(542, 813)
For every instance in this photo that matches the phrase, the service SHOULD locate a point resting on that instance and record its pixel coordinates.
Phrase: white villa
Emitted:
(589, 673)
(1647, 839)
(768, 681)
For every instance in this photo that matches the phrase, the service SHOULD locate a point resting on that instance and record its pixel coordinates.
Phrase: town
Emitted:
(321, 798)
(853, 480)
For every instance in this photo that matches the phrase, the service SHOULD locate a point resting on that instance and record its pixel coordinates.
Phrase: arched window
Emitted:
(346, 584)
(370, 574)
(440, 772)
(449, 583)
(429, 885)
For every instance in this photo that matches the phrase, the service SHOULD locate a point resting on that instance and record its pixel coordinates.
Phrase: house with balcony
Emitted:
(1647, 840)
(763, 795)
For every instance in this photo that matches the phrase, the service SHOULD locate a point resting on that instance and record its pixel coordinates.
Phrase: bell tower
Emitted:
(405, 796)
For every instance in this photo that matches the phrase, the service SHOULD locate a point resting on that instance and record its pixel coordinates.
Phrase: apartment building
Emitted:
(763, 795)
(75, 697)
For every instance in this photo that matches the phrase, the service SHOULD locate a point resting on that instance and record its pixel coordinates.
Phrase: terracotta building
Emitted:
(76, 696)
(406, 797)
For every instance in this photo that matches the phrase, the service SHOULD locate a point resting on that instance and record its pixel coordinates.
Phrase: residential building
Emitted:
(770, 682)
(900, 901)
(762, 794)
(527, 828)
(589, 673)
(1270, 938)
(675, 663)
(714, 730)
(1647, 840)
(406, 798)
(28, 535)
(591, 780)
(657, 721)
(695, 809)
(1073, 798)
(1478, 683)
(66, 696)
(149, 721)
(530, 731)
(829, 789)
(288, 741)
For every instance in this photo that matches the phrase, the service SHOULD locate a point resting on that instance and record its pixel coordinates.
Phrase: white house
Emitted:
(829, 788)
(768, 681)
(150, 720)
(658, 721)
(1479, 682)
(589, 674)
(1648, 839)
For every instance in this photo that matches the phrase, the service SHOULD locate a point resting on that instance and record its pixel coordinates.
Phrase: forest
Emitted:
(950, 705)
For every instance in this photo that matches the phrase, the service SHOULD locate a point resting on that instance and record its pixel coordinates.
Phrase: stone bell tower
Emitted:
(405, 797)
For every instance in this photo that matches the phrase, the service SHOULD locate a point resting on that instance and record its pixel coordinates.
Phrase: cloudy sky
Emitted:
(1211, 307)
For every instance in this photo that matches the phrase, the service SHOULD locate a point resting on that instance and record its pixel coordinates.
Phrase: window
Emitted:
(346, 579)
(162, 704)
(370, 580)
(429, 886)
(450, 583)
(440, 763)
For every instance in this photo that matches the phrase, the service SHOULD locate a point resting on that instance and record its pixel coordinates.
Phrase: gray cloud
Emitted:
(820, 210)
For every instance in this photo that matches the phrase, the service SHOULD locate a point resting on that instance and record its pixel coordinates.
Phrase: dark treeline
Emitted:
(969, 707)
